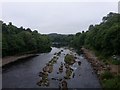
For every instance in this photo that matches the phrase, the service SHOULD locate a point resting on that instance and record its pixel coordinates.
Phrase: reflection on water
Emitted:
(48, 70)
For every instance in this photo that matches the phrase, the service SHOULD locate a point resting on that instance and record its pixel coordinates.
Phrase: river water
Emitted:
(25, 74)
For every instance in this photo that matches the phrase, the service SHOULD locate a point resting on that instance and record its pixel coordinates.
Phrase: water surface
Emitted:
(25, 74)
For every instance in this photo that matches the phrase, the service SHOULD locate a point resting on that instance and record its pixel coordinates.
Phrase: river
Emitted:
(25, 74)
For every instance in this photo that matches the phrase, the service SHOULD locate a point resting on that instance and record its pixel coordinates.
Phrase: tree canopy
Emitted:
(104, 37)
(20, 40)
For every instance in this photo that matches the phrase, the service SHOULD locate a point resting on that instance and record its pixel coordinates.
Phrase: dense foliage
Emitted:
(104, 38)
(20, 40)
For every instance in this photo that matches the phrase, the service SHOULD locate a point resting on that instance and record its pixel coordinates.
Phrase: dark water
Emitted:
(25, 74)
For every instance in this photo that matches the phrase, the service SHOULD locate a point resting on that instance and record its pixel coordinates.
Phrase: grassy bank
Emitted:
(110, 78)
(115, 60)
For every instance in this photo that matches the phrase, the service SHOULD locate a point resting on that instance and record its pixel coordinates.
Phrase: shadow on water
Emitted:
(12, 64)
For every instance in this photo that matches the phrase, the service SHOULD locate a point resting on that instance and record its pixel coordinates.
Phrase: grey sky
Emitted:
(59, 17)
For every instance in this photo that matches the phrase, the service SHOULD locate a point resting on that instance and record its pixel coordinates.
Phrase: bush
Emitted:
(106, 75)
(113, 83)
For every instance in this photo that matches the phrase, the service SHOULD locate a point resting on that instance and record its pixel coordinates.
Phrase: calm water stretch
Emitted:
(25, 74)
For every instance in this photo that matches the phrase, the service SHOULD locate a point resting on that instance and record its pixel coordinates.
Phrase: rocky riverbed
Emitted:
(69, 60)
(66, 66)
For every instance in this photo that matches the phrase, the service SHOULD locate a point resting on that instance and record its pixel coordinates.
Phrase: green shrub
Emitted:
(113, 83)
(106, 75)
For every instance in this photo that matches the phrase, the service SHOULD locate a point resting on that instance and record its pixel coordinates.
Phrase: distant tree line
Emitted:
(60, 39)
(20, 40)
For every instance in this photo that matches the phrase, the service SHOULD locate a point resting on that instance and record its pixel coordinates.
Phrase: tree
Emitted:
(19, 40)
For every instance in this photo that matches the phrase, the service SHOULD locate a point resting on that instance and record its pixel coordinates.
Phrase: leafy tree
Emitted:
(20, 40)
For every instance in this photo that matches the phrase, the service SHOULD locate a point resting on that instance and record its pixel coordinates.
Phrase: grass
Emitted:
(106, 75)
(107, 59)
(113, 83)
(112, 61)
(115, 62)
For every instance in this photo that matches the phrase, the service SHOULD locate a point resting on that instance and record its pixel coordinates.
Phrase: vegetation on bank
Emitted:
(104, 37)
(20, 40)
(110, 81)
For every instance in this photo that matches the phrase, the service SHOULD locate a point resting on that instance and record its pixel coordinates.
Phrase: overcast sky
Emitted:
(56, 17)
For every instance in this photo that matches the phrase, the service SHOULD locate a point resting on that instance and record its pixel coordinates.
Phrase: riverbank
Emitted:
(11, 59)
(108, 74)
(97, 65)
